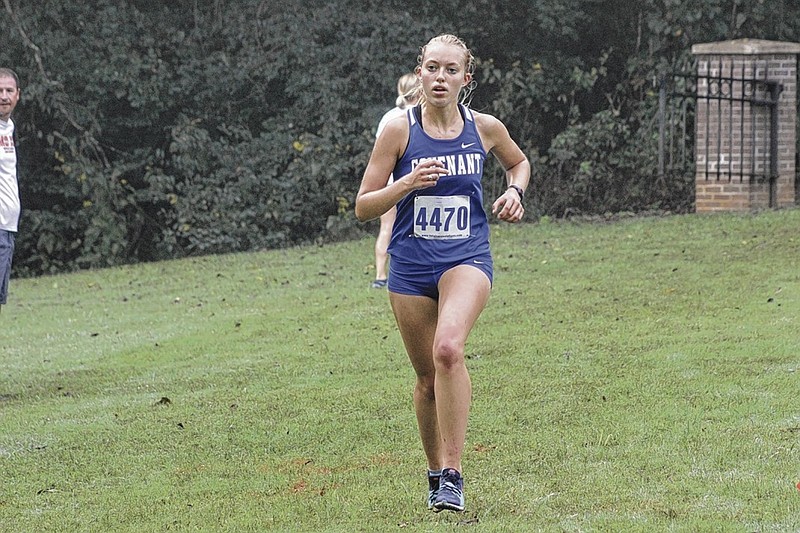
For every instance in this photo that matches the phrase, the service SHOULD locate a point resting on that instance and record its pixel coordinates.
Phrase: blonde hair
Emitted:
(406, 90)
(469, 65)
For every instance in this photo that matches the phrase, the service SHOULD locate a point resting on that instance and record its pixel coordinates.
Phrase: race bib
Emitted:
(441, 217)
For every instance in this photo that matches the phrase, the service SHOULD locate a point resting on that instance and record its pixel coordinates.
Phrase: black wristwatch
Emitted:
(519, 191)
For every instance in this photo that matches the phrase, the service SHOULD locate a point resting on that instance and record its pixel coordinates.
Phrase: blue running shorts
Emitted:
(423, 280)
(6, 253)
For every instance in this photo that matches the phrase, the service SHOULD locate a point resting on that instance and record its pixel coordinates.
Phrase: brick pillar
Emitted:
(732, 150)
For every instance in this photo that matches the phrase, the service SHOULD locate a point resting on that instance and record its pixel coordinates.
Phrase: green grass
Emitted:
(640, 375)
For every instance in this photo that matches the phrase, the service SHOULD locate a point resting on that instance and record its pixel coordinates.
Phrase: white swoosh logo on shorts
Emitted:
(464, 146)
(477, 262)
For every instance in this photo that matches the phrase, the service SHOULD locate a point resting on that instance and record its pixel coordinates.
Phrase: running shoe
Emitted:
(379, 284)
(451, 491)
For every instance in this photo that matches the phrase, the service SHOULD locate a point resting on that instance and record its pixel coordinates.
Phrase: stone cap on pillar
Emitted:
(746, 47)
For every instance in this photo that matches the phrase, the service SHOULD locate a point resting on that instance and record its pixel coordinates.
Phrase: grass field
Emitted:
(640, 375)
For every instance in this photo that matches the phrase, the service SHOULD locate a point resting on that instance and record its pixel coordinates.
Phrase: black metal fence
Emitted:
(677, 101)
(719, 122)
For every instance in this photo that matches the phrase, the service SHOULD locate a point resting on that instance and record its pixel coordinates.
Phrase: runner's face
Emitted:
(443, 73)
(9, 96)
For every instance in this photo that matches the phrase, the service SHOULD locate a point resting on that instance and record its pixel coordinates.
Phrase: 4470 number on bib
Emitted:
(441, 217)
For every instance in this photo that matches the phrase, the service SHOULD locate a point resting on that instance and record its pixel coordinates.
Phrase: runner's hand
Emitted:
(508, 207)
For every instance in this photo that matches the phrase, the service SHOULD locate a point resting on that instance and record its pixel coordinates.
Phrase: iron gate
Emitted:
(719, 123)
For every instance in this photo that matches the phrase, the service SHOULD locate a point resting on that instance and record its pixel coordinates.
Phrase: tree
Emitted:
(151, 131)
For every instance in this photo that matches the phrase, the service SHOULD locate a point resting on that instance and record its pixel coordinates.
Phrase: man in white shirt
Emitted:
(9, 189)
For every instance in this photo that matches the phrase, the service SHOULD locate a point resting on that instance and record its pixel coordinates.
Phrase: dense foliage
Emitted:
(151, 130)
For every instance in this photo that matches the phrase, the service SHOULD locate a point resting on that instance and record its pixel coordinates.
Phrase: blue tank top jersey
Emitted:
(447, 222)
